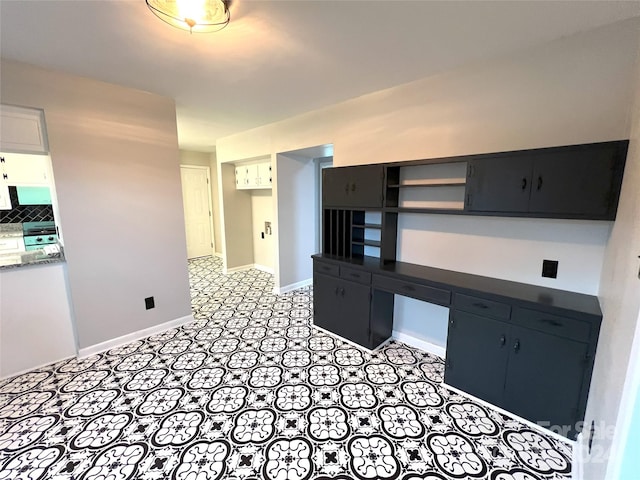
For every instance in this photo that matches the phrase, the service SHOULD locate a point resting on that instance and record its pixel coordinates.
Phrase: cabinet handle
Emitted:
(346, 188)
(355, 275)
(452, 322)
(524, 183)
(5, 176)
(503, 340)
(353, 187)
(337, 290)
(539, 183)
(551, 322)
(408, 288)
(480, 305)
(1, 159)
(342, 292)
(516, 346)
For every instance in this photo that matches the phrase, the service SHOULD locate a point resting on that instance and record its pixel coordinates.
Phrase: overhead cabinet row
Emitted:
(578, 181)
(254, 176)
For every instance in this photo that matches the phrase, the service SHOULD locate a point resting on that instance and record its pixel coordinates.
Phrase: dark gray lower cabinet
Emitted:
(477, 355)
(536, 375)
(342, 307)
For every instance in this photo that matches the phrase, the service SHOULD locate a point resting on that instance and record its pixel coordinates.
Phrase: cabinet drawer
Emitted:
(414, 290)
(326, 268)
(552, 324)
(481, 306)
(355, 275)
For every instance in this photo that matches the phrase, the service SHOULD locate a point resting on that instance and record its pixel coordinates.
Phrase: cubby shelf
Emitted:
(369, 225)
(460, 183)
(448, 211)
(370, 243)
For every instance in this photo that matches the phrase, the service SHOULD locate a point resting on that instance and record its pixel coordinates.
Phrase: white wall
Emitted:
(262, 211)
(574, 90)
(620, 300)
(115, 159)
(36, 326)
(295, 190)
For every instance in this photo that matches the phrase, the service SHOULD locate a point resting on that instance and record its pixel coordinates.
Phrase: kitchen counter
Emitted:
(26, 259)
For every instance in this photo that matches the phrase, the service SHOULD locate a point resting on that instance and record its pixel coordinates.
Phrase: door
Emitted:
(477, 355)
(196, 199)
(499, 184)
(544, 376)
(561, 179)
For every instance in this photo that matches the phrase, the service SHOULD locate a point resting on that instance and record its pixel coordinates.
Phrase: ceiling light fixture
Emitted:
(199, 16)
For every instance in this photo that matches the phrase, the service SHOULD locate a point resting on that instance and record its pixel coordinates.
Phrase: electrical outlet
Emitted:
(149, 303)
(550, 268)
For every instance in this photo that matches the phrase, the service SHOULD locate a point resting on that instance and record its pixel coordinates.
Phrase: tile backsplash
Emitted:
(25, 213)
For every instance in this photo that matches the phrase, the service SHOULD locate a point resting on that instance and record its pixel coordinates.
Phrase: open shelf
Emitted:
(431, 183)
(371, 243)
(452, 211)
(369, 225)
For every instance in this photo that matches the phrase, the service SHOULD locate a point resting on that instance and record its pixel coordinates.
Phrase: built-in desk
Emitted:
(525, 348)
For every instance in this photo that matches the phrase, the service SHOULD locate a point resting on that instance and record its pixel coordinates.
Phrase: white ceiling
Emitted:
(277, 59)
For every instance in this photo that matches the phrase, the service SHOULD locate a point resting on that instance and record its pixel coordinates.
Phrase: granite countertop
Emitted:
(10, 230)
(32, 258)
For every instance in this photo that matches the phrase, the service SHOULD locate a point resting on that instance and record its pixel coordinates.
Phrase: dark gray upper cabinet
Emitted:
(499, 184)
(353, 187)
(580, 181)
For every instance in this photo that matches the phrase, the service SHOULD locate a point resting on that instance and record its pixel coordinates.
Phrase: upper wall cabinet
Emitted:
(22, 130)
(353, 187)
(254, 176)
(24, 170)
(580, 181)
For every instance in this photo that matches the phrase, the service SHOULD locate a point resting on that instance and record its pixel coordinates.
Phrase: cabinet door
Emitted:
(477, 355)
(5, 200)
(574, 182)
(499, 184)
(22, 130)
(544, 377)
(264, 175)
(252, 176)
(24, 169)
(358, 187)
(342, 307)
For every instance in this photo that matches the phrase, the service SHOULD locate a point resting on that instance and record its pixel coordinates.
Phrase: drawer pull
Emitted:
(480, 305)
(342, 292)
(503, 340)
(355, 275)
(337, 290)
(551, 322)
(325, 268)
(408, 288)
(516, 346)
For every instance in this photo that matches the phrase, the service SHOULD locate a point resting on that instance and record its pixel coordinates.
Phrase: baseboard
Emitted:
(419, 343)
(262, 268)
(293, 286)
(217, 254)
(578, 455)
(346, 340)
(123, 340)
(528, 423)
(241, 268)
(31, 369)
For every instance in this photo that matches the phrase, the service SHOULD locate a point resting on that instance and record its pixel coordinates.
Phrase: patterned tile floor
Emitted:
(251, 390)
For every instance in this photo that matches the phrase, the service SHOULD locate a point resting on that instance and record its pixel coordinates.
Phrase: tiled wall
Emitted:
(25, 213)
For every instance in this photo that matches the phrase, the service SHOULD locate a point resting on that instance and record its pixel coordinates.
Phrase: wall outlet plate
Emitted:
(550, 268)
(149, 303)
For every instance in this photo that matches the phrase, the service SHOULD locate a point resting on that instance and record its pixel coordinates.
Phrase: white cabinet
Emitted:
(253, 176)
(24, 170)
(22, 130)
(5, 201)
(11, 245)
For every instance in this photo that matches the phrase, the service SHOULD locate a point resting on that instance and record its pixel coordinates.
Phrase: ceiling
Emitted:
(277, 59)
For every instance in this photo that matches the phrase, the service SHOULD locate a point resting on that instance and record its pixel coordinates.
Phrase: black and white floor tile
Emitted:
(251, 390)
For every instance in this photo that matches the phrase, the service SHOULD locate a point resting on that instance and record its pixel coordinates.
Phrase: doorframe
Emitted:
(209, 195)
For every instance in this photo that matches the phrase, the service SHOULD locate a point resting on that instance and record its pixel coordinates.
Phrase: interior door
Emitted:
(197, 214)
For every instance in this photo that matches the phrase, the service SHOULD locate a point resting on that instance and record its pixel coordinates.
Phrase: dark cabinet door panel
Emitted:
(544, 377)
(326, 311)
(477, 355)
(354, 187)
(574, 182)
(499, 184)
(355, 306)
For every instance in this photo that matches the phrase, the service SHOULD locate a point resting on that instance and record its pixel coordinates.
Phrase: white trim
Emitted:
(241, 268)
(262, 268)
(31, 369)
(419, 343)
(217, 254)
(346, 340)
(292, 286)
(130, 337)
(577, 457)
(529, 423)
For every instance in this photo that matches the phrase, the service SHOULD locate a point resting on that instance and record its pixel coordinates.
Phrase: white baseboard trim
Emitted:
(217, 254)
(241, 268)
(262, 268)
(419, 343)
(130, 337)
(579, 453)
(528, 423)
(292, 286)
(31, 369)
(345, 340)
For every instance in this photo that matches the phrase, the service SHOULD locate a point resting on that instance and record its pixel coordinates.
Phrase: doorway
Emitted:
(196, 201)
